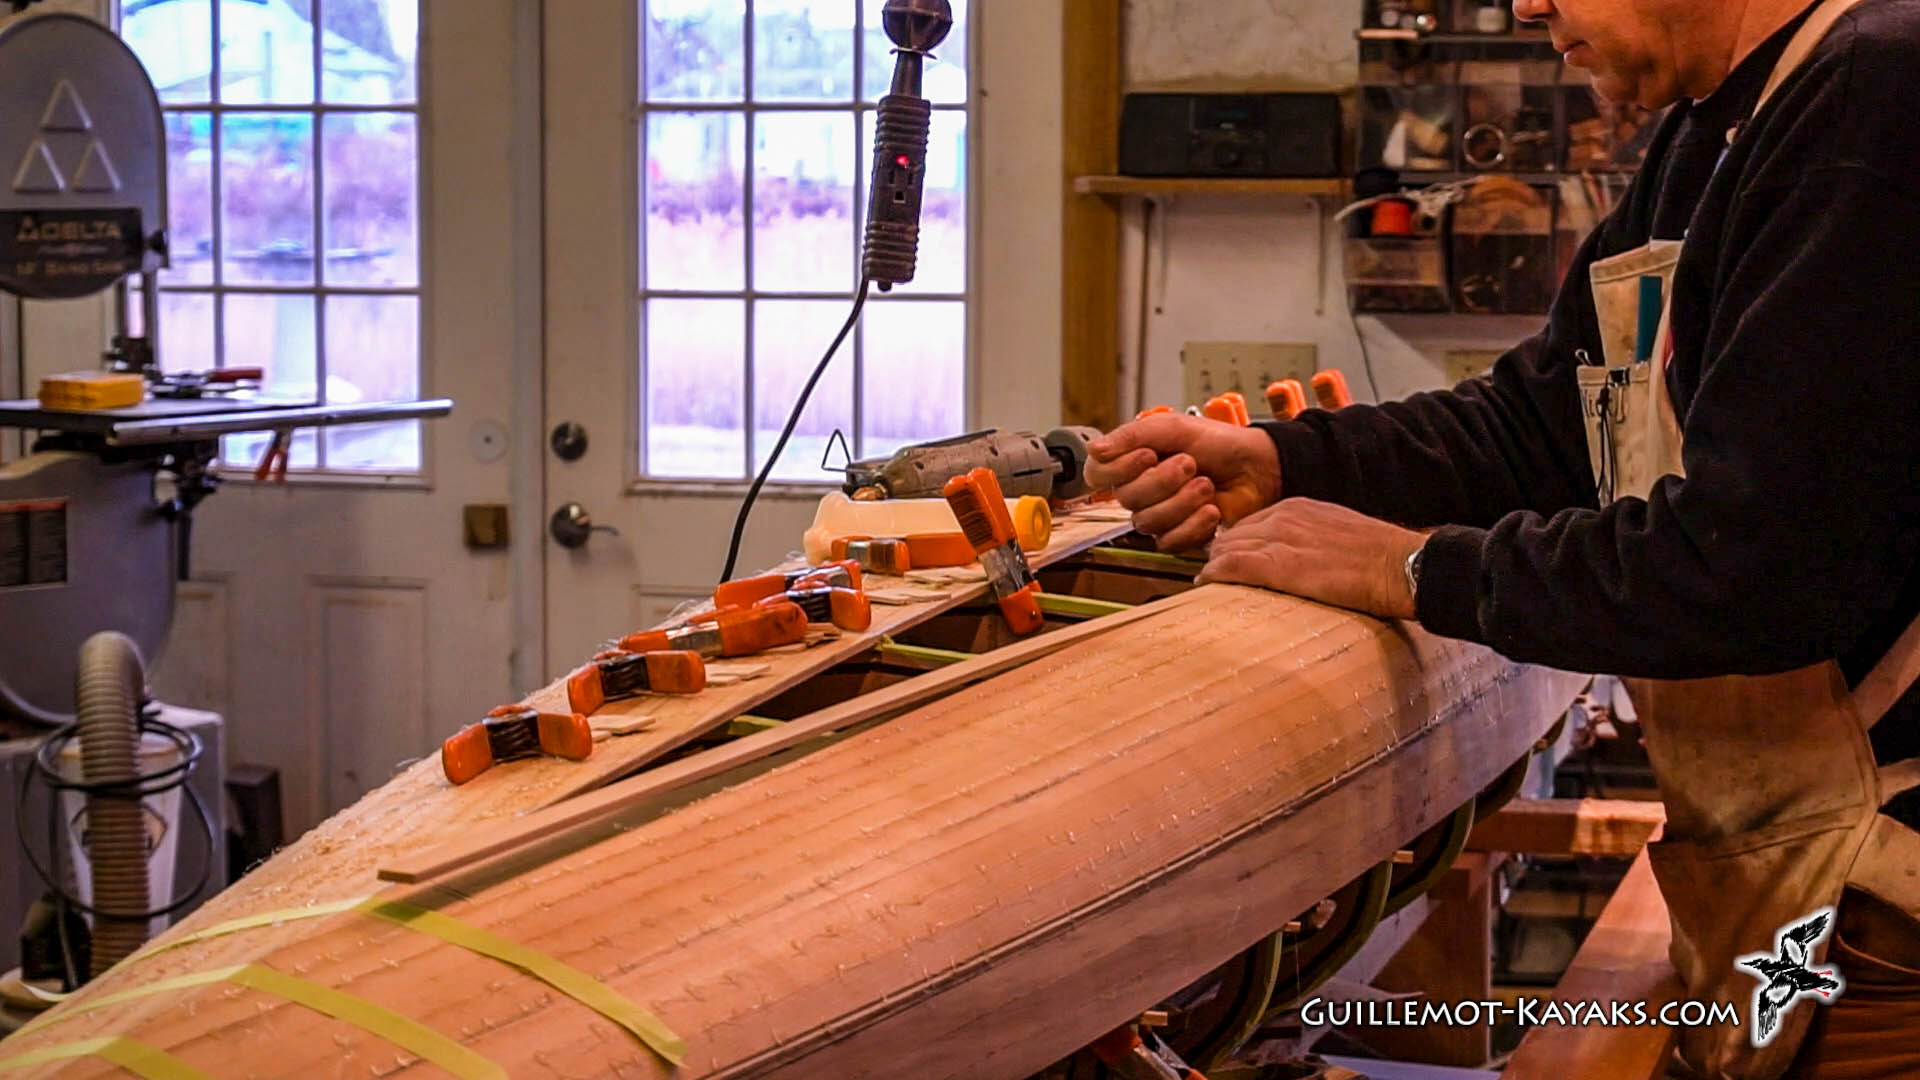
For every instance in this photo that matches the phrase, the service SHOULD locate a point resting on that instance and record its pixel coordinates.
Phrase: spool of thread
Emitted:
(1392, 217)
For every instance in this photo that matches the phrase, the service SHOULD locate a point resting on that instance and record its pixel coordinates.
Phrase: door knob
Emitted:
(571, 526)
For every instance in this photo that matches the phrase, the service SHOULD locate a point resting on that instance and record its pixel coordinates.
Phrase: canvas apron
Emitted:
(1770, 785)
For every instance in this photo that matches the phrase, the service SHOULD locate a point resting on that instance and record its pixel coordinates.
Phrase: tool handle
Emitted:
(982, 513)
(746, 592)
(237, 374)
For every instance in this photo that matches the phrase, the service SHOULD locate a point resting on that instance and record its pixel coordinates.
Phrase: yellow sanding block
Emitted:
(87, 390)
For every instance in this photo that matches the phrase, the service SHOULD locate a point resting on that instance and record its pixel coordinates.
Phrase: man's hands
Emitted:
(1322, 552)
(1185, 476)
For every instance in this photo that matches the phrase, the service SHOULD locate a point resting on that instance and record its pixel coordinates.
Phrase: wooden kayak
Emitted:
(933, 851)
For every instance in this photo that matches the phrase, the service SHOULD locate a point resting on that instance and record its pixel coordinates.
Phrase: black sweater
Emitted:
(1796, 376)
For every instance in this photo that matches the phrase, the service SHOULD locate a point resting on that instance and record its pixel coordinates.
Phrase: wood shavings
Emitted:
(907, 593)
(608, 726)
(731, 672)
(1111, 512)
(949, 575)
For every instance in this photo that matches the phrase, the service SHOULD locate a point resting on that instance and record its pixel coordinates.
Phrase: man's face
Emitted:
(1628, 46)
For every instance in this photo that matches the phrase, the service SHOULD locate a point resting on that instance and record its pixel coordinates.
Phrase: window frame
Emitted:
(219, 289)
(638, 480)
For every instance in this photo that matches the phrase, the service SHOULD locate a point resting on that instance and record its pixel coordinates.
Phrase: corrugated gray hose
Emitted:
(108, 690)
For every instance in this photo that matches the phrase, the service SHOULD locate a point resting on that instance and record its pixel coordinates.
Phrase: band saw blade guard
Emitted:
(1051, 466)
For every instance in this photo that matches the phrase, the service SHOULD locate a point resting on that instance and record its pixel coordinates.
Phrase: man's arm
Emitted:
(1509, 440)
(1793, 529)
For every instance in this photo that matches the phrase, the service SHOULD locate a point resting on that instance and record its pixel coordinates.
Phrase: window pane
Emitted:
(803, 50)
(372, 199)
(914, 373)
(694, 50)
(945, 81)
(186, 330)
(788, 338)
(695, 401)
(373, 354)
(266, 195)
(942, 264)
(695, 225)
(189, 199)
(266, 52)
(368, 51)
(174, 41)
(275, 333)
(803, 231)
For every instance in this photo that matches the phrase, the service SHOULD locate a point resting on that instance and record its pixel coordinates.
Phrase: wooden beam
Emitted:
(586, 811)
(1090, 250)
(1624, 959)
(1614, 828)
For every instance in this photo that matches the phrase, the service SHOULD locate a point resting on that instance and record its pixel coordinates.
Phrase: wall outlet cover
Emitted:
(1212, 368)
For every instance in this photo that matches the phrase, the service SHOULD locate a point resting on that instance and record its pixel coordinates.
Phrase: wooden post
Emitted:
(1449, 960)
(1090, 296)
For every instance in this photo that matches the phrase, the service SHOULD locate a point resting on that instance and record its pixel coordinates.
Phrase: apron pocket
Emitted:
(1733, 897)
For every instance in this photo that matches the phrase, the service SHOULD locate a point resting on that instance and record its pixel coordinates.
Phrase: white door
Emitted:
(343, 214)
(706, 172)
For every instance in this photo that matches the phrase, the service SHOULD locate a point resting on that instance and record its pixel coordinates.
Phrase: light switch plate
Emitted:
(1212, 368)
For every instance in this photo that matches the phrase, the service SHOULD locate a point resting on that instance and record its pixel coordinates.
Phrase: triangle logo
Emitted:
(37, 174)
(64, 111)
(96, 174)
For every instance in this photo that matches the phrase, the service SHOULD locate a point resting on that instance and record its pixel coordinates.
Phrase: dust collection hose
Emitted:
(110, 693)
(108, 690)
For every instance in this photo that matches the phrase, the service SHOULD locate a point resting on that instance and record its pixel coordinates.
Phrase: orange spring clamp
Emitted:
(1330, 388)
(746, 592)
(982, 512)
(848, 609)
(1228, 408)
(730, 633)
(513, 732)
(1287, 398)
(615, 675)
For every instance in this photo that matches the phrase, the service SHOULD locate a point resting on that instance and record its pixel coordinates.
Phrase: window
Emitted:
(755, 144)
(294, 195)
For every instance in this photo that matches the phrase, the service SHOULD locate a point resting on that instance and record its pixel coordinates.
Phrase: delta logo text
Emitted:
(1786, 976)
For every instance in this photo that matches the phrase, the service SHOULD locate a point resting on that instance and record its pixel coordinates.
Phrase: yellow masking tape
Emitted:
(422, 1041)
(136, 1057)
(563, 977)
(255, 922)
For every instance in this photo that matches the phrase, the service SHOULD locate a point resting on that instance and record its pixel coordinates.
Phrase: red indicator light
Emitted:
(903, 161)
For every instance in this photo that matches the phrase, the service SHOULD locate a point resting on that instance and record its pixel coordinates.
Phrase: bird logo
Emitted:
(1786, 977)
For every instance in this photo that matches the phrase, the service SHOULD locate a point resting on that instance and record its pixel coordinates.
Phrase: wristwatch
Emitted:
(1413, 574)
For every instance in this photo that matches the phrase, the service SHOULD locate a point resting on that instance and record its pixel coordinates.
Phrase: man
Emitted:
(1736, 532)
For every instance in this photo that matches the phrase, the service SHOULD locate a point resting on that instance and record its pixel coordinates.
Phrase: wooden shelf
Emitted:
(1135, 185)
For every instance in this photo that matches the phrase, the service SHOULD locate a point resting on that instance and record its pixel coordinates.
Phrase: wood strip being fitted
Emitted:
(971, 889)
(1613, 828)
(589, 809)
(1623, 959)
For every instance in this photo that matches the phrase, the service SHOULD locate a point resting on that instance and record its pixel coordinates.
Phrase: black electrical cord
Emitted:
(793, 421)
(1366, 354)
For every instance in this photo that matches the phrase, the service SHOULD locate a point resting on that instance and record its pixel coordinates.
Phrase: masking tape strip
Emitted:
(411, 1035)
(255, 922)
(136, 1057)
(563, 977)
